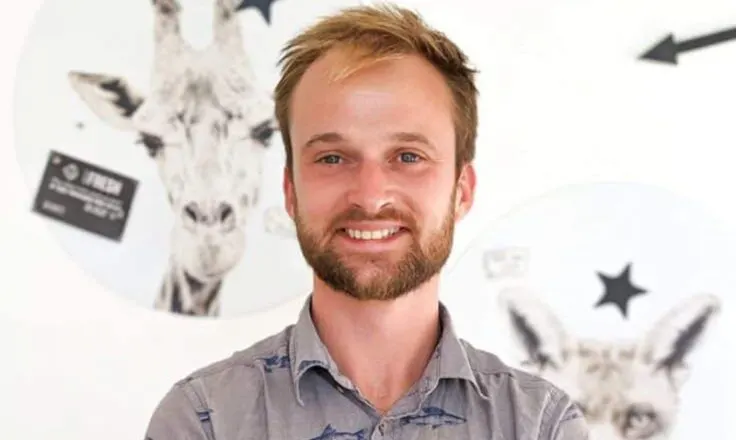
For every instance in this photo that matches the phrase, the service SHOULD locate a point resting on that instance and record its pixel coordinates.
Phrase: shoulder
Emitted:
(495, 374)
(247, 361)
(535, 400)
(233, 382)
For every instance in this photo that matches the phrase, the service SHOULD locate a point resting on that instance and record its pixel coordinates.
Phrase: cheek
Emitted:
(653, 388)
(245, 192)
(174, 187)
(436, 188)
(171, 169)
(435, 204)
(245, 175)
(315, 198)
(249, 197)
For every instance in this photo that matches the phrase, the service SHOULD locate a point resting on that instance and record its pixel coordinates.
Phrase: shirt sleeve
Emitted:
(174, 418)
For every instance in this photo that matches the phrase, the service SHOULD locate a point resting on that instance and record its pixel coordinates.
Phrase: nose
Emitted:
(371, 188)
(215, 214)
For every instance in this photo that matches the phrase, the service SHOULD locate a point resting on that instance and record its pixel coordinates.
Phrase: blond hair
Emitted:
(375, 33)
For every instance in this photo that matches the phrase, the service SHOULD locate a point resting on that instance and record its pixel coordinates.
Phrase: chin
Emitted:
(365, 277)
(212, 270)
(371, 270)
(210, 273)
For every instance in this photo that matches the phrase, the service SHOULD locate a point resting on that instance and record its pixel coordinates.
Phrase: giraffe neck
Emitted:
(182, 293)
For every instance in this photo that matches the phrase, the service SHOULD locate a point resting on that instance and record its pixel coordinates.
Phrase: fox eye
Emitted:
(640, 421)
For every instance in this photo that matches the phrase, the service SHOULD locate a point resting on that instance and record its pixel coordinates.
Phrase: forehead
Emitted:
(594, 350)
(595, 356)
(204, 82)
(405, 94)
(195, 92)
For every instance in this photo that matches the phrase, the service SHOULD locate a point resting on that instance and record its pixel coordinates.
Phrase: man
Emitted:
(378, 116)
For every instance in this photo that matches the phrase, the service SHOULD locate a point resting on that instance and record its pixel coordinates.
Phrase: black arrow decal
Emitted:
(668, 49)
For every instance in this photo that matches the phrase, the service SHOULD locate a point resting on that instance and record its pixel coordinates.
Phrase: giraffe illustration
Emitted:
(207, 126)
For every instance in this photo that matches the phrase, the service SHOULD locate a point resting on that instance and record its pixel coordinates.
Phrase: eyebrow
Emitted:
(401, 136)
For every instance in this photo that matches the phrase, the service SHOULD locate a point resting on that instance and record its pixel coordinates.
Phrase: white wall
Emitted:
(564, 101)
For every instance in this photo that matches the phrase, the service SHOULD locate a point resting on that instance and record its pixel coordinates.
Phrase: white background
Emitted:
(676, 251)
(564, 101)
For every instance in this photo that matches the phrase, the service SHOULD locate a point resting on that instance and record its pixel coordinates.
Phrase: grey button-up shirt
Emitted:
(287, 387)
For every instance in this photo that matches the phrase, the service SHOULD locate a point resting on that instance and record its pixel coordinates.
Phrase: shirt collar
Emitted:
(449, 361)
(306, 349)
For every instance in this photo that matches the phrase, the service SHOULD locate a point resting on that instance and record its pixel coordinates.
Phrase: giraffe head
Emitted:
(627, 389)
(205, 123)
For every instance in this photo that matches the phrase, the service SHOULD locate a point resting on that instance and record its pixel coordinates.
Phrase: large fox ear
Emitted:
(678, 333)
(534, 328)
(111, 98)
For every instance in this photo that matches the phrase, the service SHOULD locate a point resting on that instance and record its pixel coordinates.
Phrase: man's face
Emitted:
(374, 194)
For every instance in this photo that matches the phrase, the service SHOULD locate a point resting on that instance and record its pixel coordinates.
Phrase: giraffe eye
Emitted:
(263, 132)
(154, 144)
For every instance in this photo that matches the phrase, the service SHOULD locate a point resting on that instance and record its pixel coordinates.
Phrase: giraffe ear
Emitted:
(676, 335)
(109, 97)
(534, 328)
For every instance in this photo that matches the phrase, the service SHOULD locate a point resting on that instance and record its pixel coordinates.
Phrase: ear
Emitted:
(288, 188)
(676, 335)
(109, 97)
(465, 191)
(534, 328)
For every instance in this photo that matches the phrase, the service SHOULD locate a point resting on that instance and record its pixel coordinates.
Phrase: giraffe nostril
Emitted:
(226, 213)
(223, 214)
(191, 212)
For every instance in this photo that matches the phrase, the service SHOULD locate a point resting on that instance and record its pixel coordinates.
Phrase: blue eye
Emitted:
(331, 159)
(409, 157)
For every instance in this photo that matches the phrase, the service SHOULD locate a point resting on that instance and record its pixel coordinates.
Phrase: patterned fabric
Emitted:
(287, 387)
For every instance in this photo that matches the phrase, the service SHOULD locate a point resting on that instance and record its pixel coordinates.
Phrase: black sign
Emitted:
(86, 196)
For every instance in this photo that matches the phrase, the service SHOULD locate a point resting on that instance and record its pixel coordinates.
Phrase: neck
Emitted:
(184, 294)
(383, 347)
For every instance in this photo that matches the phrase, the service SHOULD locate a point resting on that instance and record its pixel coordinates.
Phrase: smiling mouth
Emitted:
(374, 234)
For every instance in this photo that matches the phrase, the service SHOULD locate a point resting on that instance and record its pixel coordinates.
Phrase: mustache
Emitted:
(388, 214)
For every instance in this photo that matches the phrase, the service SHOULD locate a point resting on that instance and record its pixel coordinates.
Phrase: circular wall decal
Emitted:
(145, 130)
(614, 292)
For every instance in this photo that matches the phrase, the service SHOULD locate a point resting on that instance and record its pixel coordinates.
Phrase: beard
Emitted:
(388, 279)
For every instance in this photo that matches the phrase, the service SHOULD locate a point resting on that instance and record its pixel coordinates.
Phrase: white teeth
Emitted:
(372, 235)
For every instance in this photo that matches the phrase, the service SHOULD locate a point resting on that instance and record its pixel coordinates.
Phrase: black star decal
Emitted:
(619, 290)
(262, 5)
